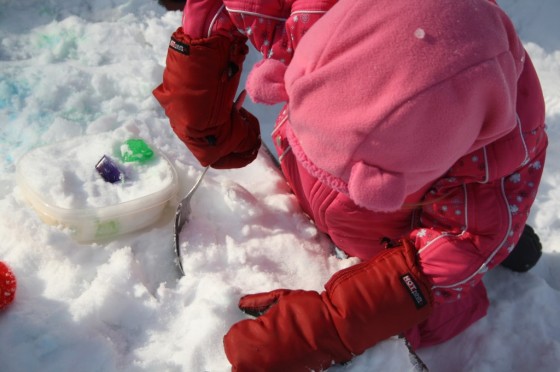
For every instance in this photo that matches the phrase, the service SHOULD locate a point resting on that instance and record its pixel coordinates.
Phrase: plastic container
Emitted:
(61, 183)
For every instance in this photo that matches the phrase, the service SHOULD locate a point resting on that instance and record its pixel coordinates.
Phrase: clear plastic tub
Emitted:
(62, 184)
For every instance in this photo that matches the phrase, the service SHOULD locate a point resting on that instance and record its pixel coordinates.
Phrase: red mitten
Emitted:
(199, 85)
(305, 330)
(7, 285)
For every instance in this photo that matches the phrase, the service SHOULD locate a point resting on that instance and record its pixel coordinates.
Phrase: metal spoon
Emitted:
(182, 216)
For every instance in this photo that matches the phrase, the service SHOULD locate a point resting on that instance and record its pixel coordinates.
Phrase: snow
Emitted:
(74, 68)
(74, 182)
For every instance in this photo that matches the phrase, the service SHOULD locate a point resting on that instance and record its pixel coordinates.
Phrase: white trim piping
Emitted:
(308, 12)
(446, 234)
(255, 14)
(286, 150)
(486, 166)
(484, 265)
(284, 120)
(237, 11)
(527, 157)
(214, 19)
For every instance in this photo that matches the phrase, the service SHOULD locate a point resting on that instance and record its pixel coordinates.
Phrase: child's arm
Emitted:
(200, 81)
(275, 29)
(304, 330)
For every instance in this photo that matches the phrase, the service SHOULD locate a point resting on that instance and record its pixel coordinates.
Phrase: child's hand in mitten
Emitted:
(199, 85)
(304, 330)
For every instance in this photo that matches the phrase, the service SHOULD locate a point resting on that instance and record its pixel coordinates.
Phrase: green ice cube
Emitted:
(136, 150)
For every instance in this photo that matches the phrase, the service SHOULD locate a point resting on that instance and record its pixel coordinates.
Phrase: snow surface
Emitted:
(71, 68)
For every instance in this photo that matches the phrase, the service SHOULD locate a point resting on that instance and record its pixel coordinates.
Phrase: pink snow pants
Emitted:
(460, 228)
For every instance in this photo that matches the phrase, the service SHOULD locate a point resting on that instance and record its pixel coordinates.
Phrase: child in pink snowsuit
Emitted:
(413, 135)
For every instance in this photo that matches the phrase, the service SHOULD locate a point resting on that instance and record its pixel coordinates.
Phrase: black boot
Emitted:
(526, 253)
(172, 4)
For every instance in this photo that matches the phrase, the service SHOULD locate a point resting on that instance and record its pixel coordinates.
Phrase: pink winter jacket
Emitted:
(404, 119)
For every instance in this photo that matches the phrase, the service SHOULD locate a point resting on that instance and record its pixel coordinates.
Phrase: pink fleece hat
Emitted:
(385, 96)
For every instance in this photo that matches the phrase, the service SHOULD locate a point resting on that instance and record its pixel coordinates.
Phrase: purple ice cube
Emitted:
(109, 170)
